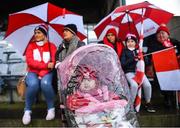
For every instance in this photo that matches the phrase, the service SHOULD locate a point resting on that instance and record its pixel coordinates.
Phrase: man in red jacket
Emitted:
(40, 58)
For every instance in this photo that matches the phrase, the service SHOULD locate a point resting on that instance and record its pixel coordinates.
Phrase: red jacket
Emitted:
(118, 46)
(38, 57)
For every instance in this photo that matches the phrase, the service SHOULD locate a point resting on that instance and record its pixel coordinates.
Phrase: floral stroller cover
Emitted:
(94, 90)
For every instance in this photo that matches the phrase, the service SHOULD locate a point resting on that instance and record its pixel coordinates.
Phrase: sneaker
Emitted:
(149, 108)
(26, 117)
(50, 114)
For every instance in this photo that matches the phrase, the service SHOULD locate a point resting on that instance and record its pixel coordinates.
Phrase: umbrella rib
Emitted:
(127, 12)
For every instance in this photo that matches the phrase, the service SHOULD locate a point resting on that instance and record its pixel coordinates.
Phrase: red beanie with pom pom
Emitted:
(163, 27)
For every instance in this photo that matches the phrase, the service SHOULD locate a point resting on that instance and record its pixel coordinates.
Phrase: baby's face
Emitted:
(87, 84)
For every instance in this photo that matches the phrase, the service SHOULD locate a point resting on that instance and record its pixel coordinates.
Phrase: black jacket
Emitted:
(128, 61)
(156, 46)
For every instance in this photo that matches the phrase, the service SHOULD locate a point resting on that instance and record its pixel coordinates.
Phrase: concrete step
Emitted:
(34, 123)
(11, 115)
(163, 117)
(154, 120)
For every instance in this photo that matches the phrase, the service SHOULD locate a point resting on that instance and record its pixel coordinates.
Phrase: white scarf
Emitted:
(40, 43)
(131, 49)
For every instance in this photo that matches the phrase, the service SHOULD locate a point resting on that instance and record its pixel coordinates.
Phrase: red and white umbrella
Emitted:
(21, 24)
(127, 19)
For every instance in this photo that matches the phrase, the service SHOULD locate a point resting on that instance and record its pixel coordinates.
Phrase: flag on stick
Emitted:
(140, 68)
(167, 69)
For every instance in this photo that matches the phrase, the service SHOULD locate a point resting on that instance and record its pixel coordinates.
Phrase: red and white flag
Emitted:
(139, 76)
(167, 69)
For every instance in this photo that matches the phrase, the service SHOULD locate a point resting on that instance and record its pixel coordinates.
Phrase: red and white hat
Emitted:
(131, 36)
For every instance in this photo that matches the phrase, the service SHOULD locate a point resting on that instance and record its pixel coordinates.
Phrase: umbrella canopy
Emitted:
(21, 24)
(127, 19)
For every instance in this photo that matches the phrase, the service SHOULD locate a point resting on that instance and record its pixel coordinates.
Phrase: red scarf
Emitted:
(119, 46)
(167, 43)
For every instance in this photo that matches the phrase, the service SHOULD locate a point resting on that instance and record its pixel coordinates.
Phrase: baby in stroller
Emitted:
(94, 90)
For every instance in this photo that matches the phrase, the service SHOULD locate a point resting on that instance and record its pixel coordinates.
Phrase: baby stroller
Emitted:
(93, 89)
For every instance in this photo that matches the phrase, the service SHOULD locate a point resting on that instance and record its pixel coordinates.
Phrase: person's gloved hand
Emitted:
(57, 64)
(138, 57)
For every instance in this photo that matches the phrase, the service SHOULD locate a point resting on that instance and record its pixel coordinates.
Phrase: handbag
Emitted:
(21, 87)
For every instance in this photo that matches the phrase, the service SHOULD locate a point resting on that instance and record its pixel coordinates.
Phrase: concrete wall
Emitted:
(174, 27)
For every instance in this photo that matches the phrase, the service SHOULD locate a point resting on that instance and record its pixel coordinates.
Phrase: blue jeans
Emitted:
(34, 85)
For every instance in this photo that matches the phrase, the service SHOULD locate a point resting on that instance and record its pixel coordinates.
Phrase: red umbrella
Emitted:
(21, 24)
(127, 19)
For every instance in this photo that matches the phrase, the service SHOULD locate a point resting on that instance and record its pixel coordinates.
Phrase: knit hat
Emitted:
(43, 28)
(131, 36)
(72, 28)
(113, 31)
(163, 27)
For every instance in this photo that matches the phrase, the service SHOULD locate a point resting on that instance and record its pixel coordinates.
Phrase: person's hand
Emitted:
(138, 57)
(57, 64)
(51, 65)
